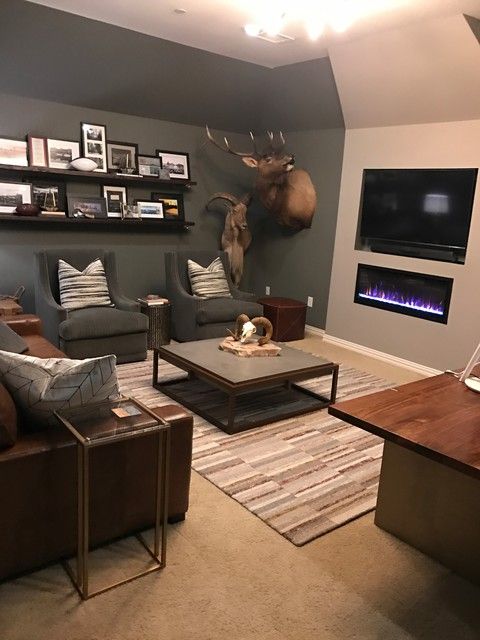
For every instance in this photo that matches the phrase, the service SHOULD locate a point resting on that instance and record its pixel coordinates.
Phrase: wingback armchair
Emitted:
(92, 331)
(196, 318)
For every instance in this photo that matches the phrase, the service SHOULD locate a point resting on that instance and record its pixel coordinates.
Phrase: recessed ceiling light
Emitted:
(180, 12)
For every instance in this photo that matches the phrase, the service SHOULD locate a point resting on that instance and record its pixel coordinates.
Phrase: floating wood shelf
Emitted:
(66, 175)
(114, 224)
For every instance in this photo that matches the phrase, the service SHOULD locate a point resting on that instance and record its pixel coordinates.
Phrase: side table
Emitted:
(159, 319)
(108, 423)
(287, 317)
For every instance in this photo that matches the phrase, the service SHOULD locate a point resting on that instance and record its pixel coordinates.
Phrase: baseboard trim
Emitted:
(315, 330)
(384, 357)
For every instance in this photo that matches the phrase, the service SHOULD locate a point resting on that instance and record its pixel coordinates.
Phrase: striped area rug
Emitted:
(303, 476)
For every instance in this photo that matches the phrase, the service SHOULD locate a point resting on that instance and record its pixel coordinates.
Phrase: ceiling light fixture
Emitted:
(270, 17)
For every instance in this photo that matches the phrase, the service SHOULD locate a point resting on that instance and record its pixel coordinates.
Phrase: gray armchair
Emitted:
(93, 331)
(196, 318)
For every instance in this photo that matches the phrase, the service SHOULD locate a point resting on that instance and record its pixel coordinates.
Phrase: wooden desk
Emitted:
(429, 492)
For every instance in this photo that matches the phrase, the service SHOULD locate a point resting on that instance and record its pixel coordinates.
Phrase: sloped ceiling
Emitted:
(428, 72)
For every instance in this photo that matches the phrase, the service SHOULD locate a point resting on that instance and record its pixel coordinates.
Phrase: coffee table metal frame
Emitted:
(80, 579)
(233, 390)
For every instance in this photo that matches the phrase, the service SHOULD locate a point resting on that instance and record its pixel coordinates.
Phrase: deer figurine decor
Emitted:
(287, 193)
(236, 236)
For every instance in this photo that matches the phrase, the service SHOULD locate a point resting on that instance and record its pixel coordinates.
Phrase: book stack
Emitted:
(153, 302)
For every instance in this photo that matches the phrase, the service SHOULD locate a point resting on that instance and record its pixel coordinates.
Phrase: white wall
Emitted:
(443, 145)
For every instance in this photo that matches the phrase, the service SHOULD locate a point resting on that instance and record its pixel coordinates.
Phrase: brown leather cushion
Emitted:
(8, 419)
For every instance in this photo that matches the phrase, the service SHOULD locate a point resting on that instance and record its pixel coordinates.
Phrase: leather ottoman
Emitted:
(287, 317)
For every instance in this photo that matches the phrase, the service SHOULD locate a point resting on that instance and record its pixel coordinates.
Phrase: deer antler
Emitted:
(229, 149)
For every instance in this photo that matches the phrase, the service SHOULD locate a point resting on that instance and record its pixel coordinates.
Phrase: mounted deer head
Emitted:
(286, 192)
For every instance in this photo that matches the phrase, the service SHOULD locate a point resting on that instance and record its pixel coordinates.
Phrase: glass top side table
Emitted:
(102, 424)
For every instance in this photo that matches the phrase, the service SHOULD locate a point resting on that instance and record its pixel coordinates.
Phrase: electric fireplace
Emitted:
(413, 294)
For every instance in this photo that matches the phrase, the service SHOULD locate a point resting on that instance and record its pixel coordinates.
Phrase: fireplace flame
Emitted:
(402, 300)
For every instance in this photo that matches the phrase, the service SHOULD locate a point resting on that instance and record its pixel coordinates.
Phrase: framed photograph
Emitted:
(49, 197)
(149, 166)
(86, 207)
(172, 205)
(122, 156)
(148, 209)
(12, 194)
(13, 151)
(60, 153)
(37, 151)
(177, 163)
(115, 198)
(94, 144)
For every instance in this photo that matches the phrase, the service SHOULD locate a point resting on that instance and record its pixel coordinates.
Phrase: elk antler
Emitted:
(229, 149)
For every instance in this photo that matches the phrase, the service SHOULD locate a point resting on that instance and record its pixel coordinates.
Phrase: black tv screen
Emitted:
(426, 207)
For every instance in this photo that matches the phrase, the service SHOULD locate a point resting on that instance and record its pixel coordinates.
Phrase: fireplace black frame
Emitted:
(408, 311)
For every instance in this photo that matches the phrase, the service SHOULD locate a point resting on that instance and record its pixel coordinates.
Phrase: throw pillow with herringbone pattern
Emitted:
(80, 289)
(39, 387)
(208, 282)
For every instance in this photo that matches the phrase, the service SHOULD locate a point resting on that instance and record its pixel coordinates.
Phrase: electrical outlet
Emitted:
(309, 301)
(267, 290)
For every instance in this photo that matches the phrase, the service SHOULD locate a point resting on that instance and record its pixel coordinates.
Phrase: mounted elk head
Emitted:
(287, 193)
(236, 236)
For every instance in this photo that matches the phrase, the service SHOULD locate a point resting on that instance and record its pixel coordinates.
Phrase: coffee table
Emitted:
(236, 393)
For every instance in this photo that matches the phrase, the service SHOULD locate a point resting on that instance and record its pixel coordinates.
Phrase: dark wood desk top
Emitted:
(438, 417)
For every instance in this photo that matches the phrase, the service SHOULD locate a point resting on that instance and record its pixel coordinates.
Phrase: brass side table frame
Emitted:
(80, 578)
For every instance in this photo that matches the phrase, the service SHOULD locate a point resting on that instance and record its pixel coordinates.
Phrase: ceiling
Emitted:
(216, 25)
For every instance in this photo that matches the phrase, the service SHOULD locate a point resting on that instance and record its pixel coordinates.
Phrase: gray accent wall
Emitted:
(297, 264)
(140, 255)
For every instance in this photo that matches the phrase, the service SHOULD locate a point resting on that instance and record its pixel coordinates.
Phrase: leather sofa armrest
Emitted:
(181, 425)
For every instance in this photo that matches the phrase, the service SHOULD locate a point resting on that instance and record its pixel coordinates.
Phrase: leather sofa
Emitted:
(39, 493)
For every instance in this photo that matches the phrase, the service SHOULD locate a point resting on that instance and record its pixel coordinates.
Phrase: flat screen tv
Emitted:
(421, 208)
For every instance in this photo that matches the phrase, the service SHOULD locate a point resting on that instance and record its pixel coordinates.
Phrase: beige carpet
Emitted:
(304, 476)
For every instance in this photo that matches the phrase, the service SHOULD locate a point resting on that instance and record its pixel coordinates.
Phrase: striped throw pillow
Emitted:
(80, 289)
(208, 282)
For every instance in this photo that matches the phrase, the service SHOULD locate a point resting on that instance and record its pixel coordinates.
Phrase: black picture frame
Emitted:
(40, 190)
(168, 162)
(90, 207)
(128, 147)
(165, 199)
(94, 144)
(115, 204)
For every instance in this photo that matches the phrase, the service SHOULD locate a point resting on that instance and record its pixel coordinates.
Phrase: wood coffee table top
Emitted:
(205, 356)
(438, 417)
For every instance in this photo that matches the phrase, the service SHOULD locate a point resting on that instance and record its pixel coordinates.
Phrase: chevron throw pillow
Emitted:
(80, 289)
(208, 282)
(39, 387)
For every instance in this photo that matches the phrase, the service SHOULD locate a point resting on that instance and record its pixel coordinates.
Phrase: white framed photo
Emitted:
(116, 199)
(37, 151)
(61, 152)
(94, 144)
(149, 166)
(12, 194)
(13, 151)
(177, 163)
(148, 209)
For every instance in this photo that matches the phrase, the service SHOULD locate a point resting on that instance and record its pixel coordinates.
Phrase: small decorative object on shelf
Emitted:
(60, 153)
(122, 157)
(94, 144)
(49, 197)
(130, 211)
(37, 151)
(240, 343)
(83, 164)
(177, 163)
(27, 210)
(13, 151)
(152, 300)
(13, 194)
